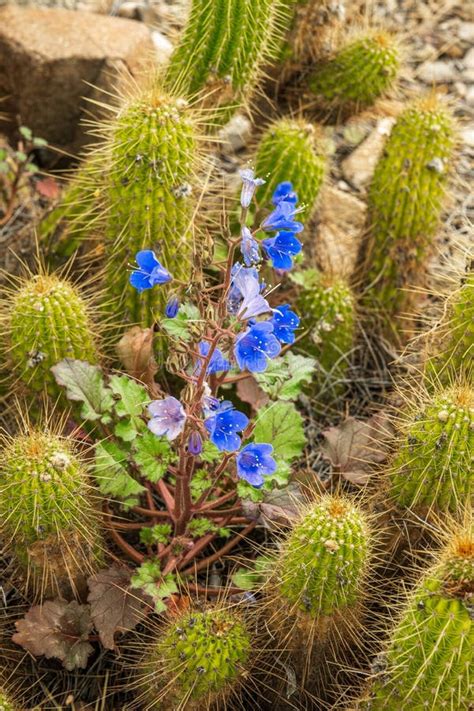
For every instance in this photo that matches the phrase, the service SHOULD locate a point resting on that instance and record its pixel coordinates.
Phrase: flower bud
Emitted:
(172, 307)
(195, 443)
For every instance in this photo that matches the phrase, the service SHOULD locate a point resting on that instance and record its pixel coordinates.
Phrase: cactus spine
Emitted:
(224, 47)
(361, 72)
(433, 468)
(428, 664)
(291, 150)
(198, 660)
(47, 320)
(46, 510)
(151, 178)
(316, 27)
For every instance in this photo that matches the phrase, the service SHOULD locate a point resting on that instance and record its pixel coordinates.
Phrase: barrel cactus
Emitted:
(47, 511)
(359, 73)
(405, 200)
(198, 660)
(428, 663)
(292, 150)
(433, 467)
(316, 27)
(47, 319)
(6, 704)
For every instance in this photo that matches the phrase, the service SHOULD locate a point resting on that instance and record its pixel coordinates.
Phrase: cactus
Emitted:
(151, 178)
(198, 660)
(46, 510)
(291, 150)
(428, 663)
(327, 309)
(359, 73)
(316, 26)
(6, 703)
(47, 320)
(405, 200)
(224, 48)
(433, 467)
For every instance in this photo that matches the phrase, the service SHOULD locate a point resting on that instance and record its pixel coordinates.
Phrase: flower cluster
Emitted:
(250, 329)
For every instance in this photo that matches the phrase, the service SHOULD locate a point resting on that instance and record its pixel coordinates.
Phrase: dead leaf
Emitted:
(356, 446)
(57, 629)
(135, 350)
(249, 391)
(115, 607)
(279, 508)
(47, 187)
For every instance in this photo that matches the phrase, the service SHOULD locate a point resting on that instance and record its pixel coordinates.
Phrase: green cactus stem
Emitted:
(47, 320)
(359, 73)
(199, 659)
(224, 48)
(6, 703)
(47, 511)
(433, 467)
(151, 200)
(327, 310)
(428, 663)
(405, 200)
(291, 150)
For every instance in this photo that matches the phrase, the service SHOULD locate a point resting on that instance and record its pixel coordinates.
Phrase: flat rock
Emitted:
(359, 167)
(437, 72)
(49, 58)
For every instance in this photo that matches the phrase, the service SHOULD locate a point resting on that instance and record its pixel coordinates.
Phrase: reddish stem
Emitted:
(221, 552)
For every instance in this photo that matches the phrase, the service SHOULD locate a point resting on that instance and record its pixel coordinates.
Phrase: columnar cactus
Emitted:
(224, 48)
(6, 703)
(199, 659)
(292, 150)
(327, 309)
(428, 663)
(153, 152)
(47, 320)
(405, 200)
(47, 511)
(433, 467)
(359, 73)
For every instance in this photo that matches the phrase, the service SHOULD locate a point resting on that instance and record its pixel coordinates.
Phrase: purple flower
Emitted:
(249, 247)
(195, 444)
(223, 426)
(256, 346)
(167, 417)
(255, 462)
(150, 272)
(281, 250)
(284, 191)
(282, 219)
(284, 323)
(172, 307)
(217, 363)
(249, 185)
(245, 299)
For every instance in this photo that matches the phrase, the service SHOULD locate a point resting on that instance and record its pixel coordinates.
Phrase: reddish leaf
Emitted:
(115, 607)
(249, 391)
(356, 446)
(57, 629)
(48, 188)
(135, 350)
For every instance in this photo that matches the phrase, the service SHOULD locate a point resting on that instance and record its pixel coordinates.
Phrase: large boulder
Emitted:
(54, 64)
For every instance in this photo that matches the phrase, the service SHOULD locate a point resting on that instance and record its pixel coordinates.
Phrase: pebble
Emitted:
(237, 132)
(437, 72)
(467, 137)
(468, 59)
(466, 32)
(163, 46)
(359, 167)
(469, 97)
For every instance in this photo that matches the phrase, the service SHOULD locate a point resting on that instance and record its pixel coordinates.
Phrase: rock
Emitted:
(131, 10)
(50, 57)
(162, 45)
(359, 167)
(437, 72)
(466, 32)
(468, 59)
(468, 76)
(340, 224)
(236, 133)
(467, 137)
(469, 98)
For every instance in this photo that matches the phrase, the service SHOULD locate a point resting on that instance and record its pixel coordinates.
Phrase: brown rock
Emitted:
(50, 57)
(359, 167)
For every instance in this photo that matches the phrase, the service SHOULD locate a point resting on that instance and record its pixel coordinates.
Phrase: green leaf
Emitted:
(39, 142)
(200, 482)
(306, 278)
(31, 167)
(252, 578)
(246, 491)
(133, 396)
(152, 455)
(178, 327)
(26, 132)
(21, 156)
(198, 527)
(210, 453)
(4, 168)
(159, 533)
(84, 383)
(285, 376)
(148, 578)
(281, 425)
(111, 473)
(126, 430)
(3, 154)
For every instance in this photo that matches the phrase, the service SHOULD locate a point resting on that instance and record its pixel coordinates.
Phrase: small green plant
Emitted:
(359, 73)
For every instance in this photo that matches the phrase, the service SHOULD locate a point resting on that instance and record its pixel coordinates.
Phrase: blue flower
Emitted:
(282, 218)
(172, 307)
(249, 247)
(254, 462)
(284, 191)
(249, 185)
(245, 299)
(284, 323)
(223, 426)
(167, 417)
(217, 363)
(195, 444)
(281, 250)
(150, 272)
(255, 346)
